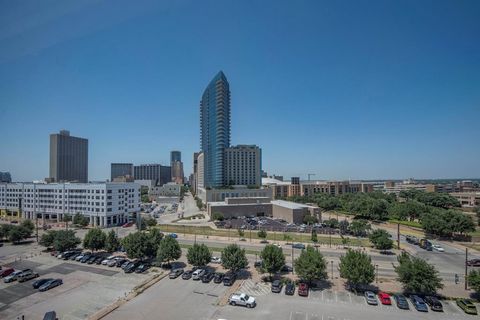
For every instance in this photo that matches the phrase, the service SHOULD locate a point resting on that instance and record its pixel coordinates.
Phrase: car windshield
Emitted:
(247, 297)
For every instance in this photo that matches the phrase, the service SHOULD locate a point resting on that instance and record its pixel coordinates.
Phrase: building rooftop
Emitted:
(269, 181)
(290, 205)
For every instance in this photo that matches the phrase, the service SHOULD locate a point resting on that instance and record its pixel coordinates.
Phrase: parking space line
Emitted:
(323, 299)
(336, 297)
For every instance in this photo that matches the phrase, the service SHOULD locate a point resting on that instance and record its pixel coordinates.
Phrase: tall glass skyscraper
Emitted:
(215, 129)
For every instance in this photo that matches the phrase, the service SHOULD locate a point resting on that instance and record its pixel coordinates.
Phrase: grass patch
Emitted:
(252, 234)
(476, 233)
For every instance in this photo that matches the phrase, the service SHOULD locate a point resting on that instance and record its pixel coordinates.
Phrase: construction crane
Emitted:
(309, 175)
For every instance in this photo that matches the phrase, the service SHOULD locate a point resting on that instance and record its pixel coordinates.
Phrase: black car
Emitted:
(187, 275)
(99, 260)
(132, 266)
(120, 262)
(286, 268)
(218, 277)
(50, 284)
(73, 256)
(91, 260)
(207, 277)
(37, 284)
(229, 279)
(434, 303)
(67, 255)
(258, 264)
(142, 268)
(125, 264)
(85, 258)
(401, 301)
(277, 286)
(290, 289)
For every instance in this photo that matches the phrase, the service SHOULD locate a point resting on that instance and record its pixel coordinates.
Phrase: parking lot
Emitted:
(85, 289)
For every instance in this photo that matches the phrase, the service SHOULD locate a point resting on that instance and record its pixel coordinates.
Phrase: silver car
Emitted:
(371, 298)
(198, 274)
(12, 277)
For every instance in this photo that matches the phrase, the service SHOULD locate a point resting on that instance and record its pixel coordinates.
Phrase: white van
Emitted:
(197, 274)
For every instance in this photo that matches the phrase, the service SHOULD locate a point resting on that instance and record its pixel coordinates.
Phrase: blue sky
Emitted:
(343, 89)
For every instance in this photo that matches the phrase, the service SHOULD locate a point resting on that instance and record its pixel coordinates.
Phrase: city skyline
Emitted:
(375, 96)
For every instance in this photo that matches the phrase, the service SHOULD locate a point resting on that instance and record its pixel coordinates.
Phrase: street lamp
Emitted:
(331, 262)
(376, 273)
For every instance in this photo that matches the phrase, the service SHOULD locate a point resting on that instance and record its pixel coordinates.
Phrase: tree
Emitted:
(409, 210)
(94, 239)
(111, 242)
(262, 234)
(446, 223)
(381, 240)
(65, 240)
(416, 275)
(136, 245)
(357, 268)
(216, 216)
(199, 203)
(343, 226)
(198, 255)
(28, 224)
(314, 237)
(477, 212)
(309, 219)
(141, 224)
(273, 258)
(474, 280)
(48, 238)
(331, 223)
(18, 233)
(150, 222)
(80, 220)
(154, 239)
(234, 258)
(311, 265)
(168, 250)
(359, 228)
(241, 233)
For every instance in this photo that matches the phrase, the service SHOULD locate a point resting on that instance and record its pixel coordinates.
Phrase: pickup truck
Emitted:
(242, 299)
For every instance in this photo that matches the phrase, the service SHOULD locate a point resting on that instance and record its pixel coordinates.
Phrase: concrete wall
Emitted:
(238, 210)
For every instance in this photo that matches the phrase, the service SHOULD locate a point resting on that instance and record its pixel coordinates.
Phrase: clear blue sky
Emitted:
(344, 89)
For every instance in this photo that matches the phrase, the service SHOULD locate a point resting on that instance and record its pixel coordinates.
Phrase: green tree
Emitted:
(48, 238)
(94, 239)
(198, 255)
(241, 233)
(474, 280)
(273, 258)
(154, 239)
(446, 223)
(381, 240)
(216, 216)
(151, 222)
(234, 258)
(80, 220)
(343, 226)
(111, 242)
(416, 275)
(136, 245)
(359, 227)
(141, 224)
(409, 210)
(357, 268)
(28, 224)
(262, 234)
(18, 233)
(311, 265)
(309, 219)
(331, 223)
(65, 240)
(314, 237)
(168, 250)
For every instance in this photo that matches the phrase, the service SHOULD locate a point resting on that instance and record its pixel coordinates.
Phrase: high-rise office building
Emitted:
(120, 170)
(5, 177)
(156, 172)
(177, 166)
(215, 128)
(175, 156)
(243, 165)
(68, 158)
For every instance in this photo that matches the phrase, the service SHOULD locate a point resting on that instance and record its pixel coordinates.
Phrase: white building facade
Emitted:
(105, 203)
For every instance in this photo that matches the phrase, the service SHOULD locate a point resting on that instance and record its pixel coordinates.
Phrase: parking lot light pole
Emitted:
(331, 262)
(466, 269)
(293, 270)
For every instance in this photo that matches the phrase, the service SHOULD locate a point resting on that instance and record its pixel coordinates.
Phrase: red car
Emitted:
(303, 289)
(6, 272)
(128, 224)
(384, 298)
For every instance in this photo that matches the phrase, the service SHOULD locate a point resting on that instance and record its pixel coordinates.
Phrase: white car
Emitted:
(106, 260)
(216, 260)
(438, 248)
(277, 245)
(198, 274)
(242, 299)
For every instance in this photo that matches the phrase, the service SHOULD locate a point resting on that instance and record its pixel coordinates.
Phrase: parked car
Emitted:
(384, 298)
(473, 263)
(125, 264)
(229, 279)
(218, 278)
(38, 283)
(128, 224)
(74, 256)
(303, 289)
(120, 262)
(92, 259)
(98, 260)
(277, 286)
(467, 306)
(298, 246)
(6, 272)
(434, 303)
(286, 268)
(112, 262)
(27, 275)
(85, 258)
(12, 277)
(207, 277)
(142, 268)
(81, 256)
(242, 299)
(216, 260)
(187, 274)
(438, 248)
(50, 315)
(173, 235)
(198, 274)
(107, 260)
(290, 288)
(371, 298)
(175, 273)
(131, 266)
(418, 303)
(50, 284)
(401, 301)
(258, 264)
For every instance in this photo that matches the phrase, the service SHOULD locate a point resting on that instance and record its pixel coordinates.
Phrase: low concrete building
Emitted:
(262, 206)
(215, 195)
(167, 190)
(467, 199)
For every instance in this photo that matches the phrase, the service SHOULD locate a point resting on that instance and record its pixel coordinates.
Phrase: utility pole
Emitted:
(293, 270)
(398, 236)
(330, 236)
(466, 268)
(331, 262)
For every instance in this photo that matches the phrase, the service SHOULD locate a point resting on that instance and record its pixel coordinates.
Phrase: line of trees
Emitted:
(17, 233)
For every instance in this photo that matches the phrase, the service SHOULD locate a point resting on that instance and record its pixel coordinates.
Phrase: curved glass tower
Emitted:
(215, 129)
